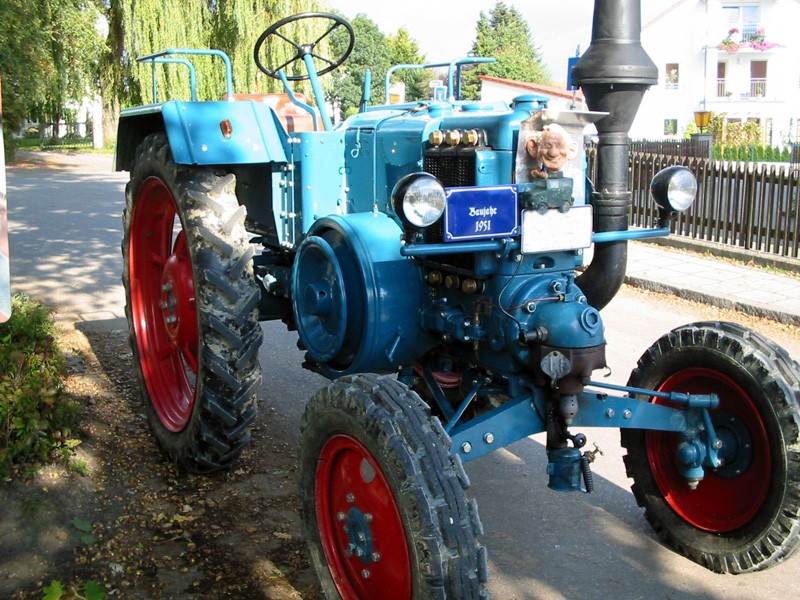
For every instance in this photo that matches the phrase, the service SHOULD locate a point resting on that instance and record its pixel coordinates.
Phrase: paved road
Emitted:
(65, 233)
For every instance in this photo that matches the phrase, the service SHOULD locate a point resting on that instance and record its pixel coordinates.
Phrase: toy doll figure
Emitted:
(550, 150)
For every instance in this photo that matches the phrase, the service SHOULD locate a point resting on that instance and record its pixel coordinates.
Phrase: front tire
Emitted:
(384, 508)
(745, 515)
(191, 307)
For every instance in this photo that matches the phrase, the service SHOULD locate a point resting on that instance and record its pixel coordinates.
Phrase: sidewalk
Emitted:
(693, 276)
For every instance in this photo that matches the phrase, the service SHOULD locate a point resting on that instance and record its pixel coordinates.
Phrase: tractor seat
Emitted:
(292, 116)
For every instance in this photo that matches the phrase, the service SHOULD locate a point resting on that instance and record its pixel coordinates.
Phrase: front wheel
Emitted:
(384, 508)
(744, 515)
(191, 307)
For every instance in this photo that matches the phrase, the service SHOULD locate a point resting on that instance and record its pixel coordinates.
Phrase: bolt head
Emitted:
(350, 498)
(610, 413)
(341, 516)
(365, 573)
(627, 414)
(376, 557)
(488, 438)
(466, 447)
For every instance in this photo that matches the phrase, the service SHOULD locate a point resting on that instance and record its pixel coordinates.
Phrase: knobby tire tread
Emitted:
(447, 525)
(779, 376)
(226, 297)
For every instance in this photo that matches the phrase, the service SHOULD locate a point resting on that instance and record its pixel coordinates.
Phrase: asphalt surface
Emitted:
(65, 230)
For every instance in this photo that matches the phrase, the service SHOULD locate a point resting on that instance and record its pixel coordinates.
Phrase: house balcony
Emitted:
(754, 90)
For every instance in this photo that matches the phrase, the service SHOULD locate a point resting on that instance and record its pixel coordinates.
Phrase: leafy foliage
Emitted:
(91, 590)
(49, 56)
(403, 50)
(36, 416)
(504, 35)
(371, 53)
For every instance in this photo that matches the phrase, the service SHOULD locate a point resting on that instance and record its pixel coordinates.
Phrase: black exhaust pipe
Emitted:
(614, 74)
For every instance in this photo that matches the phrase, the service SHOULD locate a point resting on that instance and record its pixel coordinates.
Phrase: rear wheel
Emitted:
(384, 508)
(191, 307)
(745, 515)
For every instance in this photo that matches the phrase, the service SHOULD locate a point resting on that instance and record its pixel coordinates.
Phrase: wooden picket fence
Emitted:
(752, 206)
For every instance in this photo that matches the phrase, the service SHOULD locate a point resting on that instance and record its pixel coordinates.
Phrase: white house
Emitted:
(737, 58)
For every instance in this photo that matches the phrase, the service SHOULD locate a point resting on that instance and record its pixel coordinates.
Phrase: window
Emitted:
(743, 17)
(758, 78)
(722, 89)
(670, 126)
(671, 74)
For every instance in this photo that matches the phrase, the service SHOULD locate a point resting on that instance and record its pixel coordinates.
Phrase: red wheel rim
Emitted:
(359, 523)
(163, 304)
(720, 503)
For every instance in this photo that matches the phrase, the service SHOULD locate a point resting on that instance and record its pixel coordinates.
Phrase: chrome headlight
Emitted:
(674, 188)
(419, 199)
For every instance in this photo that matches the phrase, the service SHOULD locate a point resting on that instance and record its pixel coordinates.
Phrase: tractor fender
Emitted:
(206, 133)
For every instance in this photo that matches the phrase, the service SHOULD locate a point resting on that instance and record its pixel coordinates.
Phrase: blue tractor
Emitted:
(432, 264)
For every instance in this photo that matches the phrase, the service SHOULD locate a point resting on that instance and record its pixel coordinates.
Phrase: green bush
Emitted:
(36, 416)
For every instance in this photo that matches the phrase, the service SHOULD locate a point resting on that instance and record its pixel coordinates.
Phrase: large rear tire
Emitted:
(191, 307)
(745, 515)
(384, 508)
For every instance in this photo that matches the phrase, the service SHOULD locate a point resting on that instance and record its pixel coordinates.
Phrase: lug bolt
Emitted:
(717, 444)
(341, 516)
(350, 498)
(368, 517)
(365, 574)
(376, 557)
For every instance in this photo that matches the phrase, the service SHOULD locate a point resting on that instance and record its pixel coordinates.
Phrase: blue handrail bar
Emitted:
(193, 51)
(467, 60)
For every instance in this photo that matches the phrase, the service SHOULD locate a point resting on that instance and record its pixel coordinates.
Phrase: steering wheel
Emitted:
(274, 35)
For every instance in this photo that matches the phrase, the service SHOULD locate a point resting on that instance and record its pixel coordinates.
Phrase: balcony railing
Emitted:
(758, 87)
(721, 89)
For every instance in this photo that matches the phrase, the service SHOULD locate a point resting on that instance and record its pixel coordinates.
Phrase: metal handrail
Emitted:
(190, 51)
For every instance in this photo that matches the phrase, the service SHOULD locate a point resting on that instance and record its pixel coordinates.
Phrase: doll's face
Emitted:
(553, 148)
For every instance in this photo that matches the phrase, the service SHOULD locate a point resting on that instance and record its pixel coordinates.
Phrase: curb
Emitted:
(717, 250)
(749, 309)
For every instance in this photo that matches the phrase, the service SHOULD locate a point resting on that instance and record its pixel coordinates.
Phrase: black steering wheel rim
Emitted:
(303, 50)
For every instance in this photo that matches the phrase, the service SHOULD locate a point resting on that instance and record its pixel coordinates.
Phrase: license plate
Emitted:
(555, 230)
(480, 213)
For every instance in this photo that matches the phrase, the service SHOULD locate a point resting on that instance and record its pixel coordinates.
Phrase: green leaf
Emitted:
(81, 525)
(88, 539)
(94, 591)
(54, 591)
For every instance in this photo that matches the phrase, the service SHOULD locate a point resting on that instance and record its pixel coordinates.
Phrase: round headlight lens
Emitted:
(674, 188)
(424, 200)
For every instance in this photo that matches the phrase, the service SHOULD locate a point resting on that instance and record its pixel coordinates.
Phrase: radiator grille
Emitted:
(454, 167)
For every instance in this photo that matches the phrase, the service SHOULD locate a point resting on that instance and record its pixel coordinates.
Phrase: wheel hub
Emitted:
(177, 303)
(359, 536)
(736, 445)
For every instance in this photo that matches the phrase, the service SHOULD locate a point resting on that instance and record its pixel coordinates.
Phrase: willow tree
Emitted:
(236, 25)
(141, 27)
